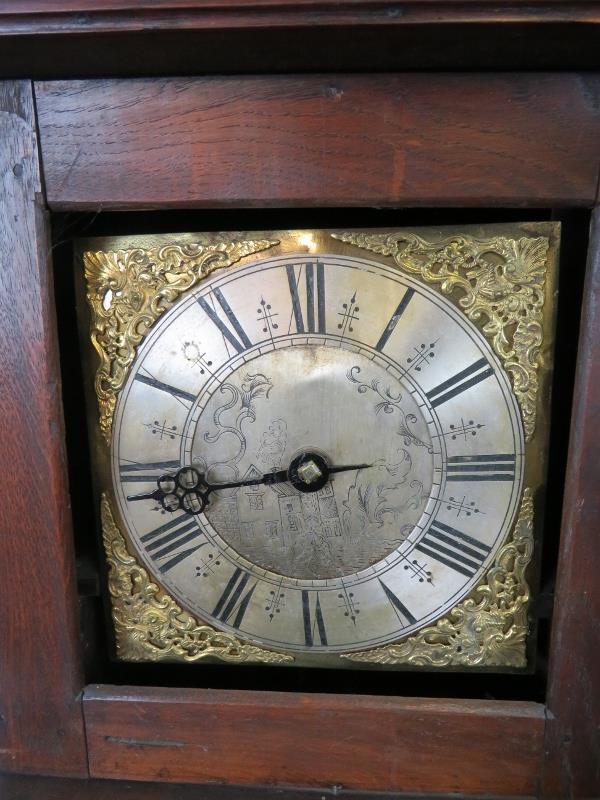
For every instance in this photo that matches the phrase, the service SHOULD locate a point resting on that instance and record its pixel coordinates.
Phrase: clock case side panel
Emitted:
(41, 680)
(536, 450)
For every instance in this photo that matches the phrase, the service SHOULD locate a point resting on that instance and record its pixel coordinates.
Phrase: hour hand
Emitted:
(155, 495)
(268, 478)
(188, 489)
(185, 490)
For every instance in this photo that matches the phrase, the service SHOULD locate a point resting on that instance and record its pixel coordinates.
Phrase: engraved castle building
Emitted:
(278, 514)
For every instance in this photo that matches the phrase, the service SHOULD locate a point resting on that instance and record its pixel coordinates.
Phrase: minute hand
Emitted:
(349, 467)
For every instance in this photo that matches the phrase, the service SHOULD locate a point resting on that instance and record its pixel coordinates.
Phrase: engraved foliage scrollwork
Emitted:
(150, 626)
(498, 282)
(487, 629)
(129, 289)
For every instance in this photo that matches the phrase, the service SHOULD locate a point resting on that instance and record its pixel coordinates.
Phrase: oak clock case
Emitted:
(321, 448)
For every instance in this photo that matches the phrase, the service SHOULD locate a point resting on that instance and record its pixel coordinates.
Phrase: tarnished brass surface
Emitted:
(150, 626)
(489, 628)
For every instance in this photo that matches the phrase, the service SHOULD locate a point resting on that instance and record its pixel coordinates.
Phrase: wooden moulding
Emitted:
(355, 742)
(572, 766)
(345, 140)
(46, 16)
(41, 727)
(50, 38)
(34, 787)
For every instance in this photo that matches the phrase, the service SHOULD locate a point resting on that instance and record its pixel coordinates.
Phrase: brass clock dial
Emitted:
(389, 419)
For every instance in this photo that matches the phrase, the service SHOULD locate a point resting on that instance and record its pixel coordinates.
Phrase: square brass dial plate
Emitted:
(321, 447)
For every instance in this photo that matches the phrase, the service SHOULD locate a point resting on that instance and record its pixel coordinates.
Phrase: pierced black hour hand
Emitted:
(307, 472)
(189, 491)
(155, 495)
(185, 490)
(270, 477)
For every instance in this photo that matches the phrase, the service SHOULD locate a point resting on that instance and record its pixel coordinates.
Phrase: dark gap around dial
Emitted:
(100, 666)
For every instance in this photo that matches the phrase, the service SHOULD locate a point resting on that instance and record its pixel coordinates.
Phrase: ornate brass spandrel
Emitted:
(150, 626)
(488, 629)
(127, 290)
(497, 282)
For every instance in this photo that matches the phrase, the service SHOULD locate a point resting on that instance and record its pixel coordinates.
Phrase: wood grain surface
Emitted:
(41, 727)
(526, 139)
(573, 728)
(354, 742)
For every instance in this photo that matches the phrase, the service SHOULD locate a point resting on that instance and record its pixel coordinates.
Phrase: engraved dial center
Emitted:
(319, 409)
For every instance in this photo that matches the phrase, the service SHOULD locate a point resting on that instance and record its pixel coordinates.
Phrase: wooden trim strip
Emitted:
(354, 742)
(88, 16)
(347, 140)
(192, 37)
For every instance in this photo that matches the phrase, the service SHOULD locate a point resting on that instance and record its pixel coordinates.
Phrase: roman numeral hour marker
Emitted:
(453, 548)
(457, 384)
